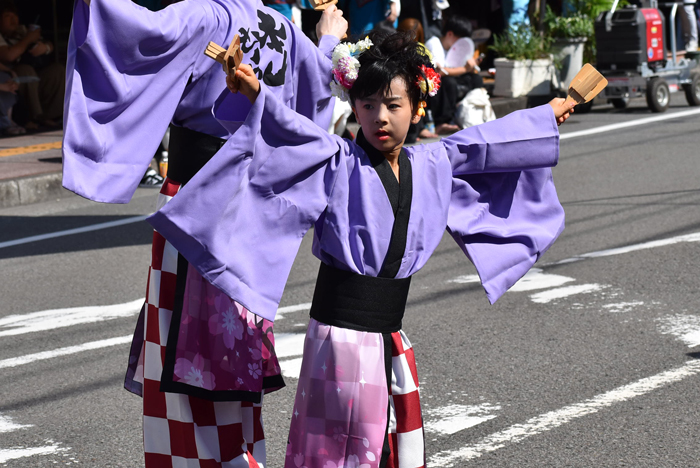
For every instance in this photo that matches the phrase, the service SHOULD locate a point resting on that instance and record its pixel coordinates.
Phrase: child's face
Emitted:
(385, 118)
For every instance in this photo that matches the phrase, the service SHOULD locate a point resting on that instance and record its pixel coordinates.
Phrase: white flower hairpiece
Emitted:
(346, 66)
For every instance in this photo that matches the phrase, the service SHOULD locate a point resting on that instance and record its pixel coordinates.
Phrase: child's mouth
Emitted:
(382, 135)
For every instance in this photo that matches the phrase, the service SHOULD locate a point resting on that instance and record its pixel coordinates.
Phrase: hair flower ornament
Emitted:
(346, 66)
(429, 81)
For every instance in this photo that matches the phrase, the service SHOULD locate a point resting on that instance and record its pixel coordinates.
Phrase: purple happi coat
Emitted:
(241, 220)
(131, 72)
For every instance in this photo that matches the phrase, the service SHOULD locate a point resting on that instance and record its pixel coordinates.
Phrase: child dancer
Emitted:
(379, 211)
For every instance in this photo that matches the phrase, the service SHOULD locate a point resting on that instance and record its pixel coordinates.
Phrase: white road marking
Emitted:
(454, 418)
(622, 306)
(14, 453)
(464, 279)
(537, 279)
(68, 232)
(29, 358)
(291, 368)
(289, 344)
(684, 327)
(533, 279)
(566, 291)
(631, 123)
(694, 237)
(6, 425)
(59, 318)
(552, 420)
(293, 308)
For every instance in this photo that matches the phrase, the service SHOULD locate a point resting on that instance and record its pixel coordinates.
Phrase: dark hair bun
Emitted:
(391, 55)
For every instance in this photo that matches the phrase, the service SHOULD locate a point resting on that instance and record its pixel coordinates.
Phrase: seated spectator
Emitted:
(27, 54)
(456, 81)
(8, 88)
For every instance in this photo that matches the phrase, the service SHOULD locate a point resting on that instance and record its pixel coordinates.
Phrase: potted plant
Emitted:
(569, 35)
(524, 66)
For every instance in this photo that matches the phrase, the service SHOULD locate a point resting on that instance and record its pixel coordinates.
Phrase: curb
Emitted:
(32, 189)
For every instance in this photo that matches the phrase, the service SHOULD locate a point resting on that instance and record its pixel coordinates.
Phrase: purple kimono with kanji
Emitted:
(131, 72)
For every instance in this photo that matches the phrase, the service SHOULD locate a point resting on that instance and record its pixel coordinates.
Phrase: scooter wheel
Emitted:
(658, 95)
(692, 90)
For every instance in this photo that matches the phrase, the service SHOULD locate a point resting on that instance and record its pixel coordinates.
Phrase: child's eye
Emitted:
(394, 106)
(367, 106)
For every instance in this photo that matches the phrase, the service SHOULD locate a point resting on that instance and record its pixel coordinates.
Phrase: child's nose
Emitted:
(382, 115)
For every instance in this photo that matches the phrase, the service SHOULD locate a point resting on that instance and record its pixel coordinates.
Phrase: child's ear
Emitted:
(356, 117)
(415, 119)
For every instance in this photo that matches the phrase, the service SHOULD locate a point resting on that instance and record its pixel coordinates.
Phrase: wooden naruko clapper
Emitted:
(586, 85)
(230, 58)
(320, 5)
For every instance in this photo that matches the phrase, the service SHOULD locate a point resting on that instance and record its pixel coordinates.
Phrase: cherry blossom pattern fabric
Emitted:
(221, 345)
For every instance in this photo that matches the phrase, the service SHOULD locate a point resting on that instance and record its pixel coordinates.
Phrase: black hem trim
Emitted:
(273, 381)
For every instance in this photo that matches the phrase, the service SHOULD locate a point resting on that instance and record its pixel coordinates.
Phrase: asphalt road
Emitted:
(592, 361)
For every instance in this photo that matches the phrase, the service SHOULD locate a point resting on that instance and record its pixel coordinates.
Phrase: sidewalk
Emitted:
(30, 168)
(30, 165)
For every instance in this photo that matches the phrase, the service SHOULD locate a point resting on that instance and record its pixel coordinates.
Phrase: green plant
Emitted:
(575, 26)
(593, 8)
(521, 43)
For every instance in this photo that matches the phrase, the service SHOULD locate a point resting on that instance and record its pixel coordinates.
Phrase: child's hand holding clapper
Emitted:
(245, 81)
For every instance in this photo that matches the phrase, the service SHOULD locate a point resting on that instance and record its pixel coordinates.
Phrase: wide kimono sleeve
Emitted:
(504, 211)
(313, 97)
(241, 219)
(127, 68)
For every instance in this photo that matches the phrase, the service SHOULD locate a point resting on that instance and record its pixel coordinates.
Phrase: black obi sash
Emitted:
(189, 151)
(366, 303)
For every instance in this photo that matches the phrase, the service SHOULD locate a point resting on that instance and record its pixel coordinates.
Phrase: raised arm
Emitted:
(241, 219)
(126, 71)
(525, 139)
(504, 211)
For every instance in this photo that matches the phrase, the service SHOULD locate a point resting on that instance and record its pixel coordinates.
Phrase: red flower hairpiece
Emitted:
(430, 83)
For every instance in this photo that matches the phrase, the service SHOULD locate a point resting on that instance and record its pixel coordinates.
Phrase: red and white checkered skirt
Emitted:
(181, 430)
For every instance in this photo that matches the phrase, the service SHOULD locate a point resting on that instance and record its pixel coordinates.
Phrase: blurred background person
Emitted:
(456, 81)
(42, 80)
(8, 88)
